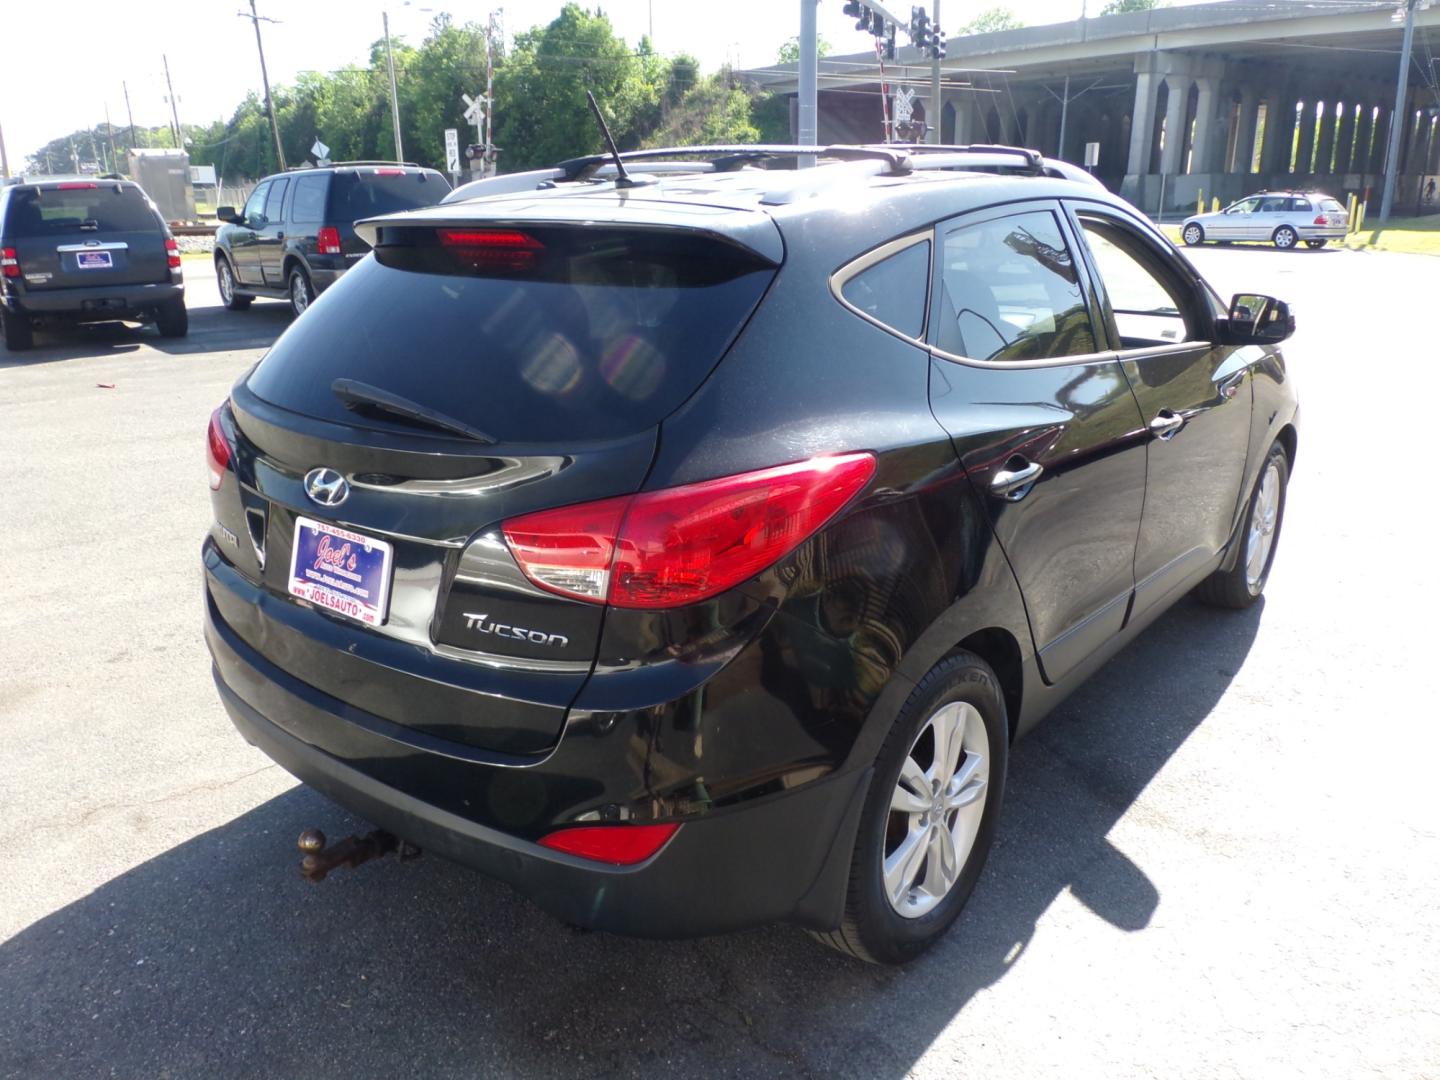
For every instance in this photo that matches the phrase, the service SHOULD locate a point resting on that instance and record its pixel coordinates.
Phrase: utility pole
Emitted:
(394, 99)
(174, 110)
(130, 115)
(4, 157)
(255, 20)
(492, 30)
(110, 136)
(808, 106)
(933, 107)
(1398, 119)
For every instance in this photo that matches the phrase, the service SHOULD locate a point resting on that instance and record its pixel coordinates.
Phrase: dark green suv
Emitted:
(296, 232)
(74, 251)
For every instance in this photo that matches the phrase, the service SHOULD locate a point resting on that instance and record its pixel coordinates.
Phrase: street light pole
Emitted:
(808, 104)
(394, 100)
(1398, 119)
(933, 110)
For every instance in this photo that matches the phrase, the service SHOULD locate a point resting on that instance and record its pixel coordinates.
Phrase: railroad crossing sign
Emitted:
(474, 109)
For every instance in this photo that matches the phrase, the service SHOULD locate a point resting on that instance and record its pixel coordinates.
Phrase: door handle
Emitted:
(1166, 424)
(279, 236)
(1012, 485)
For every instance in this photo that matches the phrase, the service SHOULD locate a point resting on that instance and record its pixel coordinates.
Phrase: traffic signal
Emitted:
(919, 28)
(889, 49)
(851, 10)
(937, 43)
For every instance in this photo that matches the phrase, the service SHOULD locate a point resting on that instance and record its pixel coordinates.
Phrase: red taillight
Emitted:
(1319, 220)
(172, 253)
(662, 549)
(498, 249)
(77, 185)
(622, 845)
(9, 262)
(389, 172)
(217, 451)
(328, 240)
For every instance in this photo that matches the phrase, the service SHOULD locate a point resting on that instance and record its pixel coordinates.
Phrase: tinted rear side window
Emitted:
(308, 204)
(894, 290)
(371, 192)
(605, 333)
(101, 208)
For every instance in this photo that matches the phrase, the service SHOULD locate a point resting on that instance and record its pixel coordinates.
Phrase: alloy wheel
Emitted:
(226, 281)
(299, 292)
(935, 809)
(1192, 235)
(1260, 537)
(1285, 237)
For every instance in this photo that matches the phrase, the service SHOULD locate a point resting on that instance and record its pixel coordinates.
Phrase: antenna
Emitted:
(622, 178)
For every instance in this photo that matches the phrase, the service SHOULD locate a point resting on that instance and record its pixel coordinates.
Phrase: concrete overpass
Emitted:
(1217, 98)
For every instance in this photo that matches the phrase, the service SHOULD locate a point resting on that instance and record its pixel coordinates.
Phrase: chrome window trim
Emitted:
(96, 245)
(841, 277)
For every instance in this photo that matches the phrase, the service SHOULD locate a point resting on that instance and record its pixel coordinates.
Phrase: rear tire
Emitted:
(1242, 584)
(19, 334)
(225, 280)
(1193, 235)
(1285, 237)
(943, 815)
(1315, 244)
(302, 293)
(172, 318)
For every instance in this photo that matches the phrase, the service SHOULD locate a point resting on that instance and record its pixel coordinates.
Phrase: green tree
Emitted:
(996, 18)
(790, 51)
(715, 111)
(1117, 7)
(540, 108)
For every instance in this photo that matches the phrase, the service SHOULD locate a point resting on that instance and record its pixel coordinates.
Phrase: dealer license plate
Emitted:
(341, 571)
(93, 260)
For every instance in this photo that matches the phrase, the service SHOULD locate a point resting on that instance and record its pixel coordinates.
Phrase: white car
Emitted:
(1284, 218)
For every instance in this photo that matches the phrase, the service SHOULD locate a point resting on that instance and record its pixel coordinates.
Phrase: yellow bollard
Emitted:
(1200, 202)
(1352, 202)
(1215, 205)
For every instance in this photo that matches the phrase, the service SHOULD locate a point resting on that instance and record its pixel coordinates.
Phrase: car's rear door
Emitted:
(86, 234)
(1194, 396)
(270, 238)
(1043, 419)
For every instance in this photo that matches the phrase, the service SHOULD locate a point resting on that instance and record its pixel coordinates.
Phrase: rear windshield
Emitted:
(595, 334)
(91, 208)
(368, 192)
(1331, 206)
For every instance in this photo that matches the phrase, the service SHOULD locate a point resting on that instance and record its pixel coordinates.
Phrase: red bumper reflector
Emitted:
(620, 845)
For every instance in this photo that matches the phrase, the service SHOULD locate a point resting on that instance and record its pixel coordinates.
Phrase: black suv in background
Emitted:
(688, 552)
(296, 234)
(82, 251)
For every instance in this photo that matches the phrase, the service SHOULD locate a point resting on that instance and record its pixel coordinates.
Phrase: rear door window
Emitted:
(272, 211)
(553, 333)
(37, 212)
(308, 203)
(1009, 290)
(369, 193)
(893, 291)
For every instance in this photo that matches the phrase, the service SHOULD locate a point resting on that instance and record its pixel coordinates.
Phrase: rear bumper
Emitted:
(779, 857)
(1323, 232)
(101, 302)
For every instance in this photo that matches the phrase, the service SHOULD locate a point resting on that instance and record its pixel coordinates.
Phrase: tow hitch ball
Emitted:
(319, 860)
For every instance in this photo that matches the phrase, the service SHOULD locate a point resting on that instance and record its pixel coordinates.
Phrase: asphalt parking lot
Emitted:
(1220, 858)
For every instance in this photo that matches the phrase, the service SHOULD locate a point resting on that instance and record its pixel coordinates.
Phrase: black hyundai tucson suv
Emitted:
(84, 251)
(687, 551)
(296, 233)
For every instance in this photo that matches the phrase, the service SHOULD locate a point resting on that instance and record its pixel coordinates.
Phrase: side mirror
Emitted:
(1256, 319)
(228, 214)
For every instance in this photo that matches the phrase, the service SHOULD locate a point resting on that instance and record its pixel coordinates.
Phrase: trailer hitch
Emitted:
(319, 860)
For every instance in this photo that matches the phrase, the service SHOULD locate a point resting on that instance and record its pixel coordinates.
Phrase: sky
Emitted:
(65, 60)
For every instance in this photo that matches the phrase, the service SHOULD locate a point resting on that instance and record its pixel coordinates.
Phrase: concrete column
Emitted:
(1305, 145)
(1175, 112)
(1381, 141)
(1433, 165)
(1245, 130)
(1326, 149)
(1208, 132)
(1345, 138)
(1279, 127)
(1142, 122)
(1360, 148)
(964, 119)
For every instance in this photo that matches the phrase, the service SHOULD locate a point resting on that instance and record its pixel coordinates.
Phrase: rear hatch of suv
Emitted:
(471, 371)
(86, 234)
(369, 191)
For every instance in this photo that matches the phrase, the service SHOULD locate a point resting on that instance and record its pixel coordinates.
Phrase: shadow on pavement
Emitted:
(212, 329)
(215, 959)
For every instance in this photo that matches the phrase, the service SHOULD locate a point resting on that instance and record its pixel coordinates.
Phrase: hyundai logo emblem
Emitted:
(326, 487)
